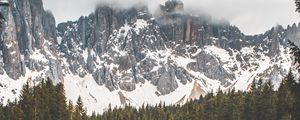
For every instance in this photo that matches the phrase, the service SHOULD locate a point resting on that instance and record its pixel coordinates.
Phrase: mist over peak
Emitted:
(153, 5)
(124, 4)
(122, 54)
(253, 17)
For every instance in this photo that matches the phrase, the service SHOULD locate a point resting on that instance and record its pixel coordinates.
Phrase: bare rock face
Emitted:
(196, 92)
(211, 67)
(293, 33)
(167, 82)
(172, 6)
(11, 52)
(122, 49)
(30, 40)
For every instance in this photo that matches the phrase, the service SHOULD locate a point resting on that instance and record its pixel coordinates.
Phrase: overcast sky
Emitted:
(251, 16)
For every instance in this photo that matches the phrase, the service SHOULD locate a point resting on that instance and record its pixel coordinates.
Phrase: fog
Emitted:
(251, 16)
(65, 10)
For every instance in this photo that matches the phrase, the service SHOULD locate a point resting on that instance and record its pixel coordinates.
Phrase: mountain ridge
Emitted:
(123, 54)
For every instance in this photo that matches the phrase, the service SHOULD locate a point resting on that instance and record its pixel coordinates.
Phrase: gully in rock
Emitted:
(2, 19)
(171, 56)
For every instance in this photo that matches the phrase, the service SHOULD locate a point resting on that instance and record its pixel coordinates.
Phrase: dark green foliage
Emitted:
(295, 51)
(59, 103)
(38, 102)
(261, 103)
(27, 103)
(80, 113)
(70, 111)
(294, 86)
(286, 99)
(47, 102)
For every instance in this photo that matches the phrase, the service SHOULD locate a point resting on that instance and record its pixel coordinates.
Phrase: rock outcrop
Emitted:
(122, 49)
(30, 40)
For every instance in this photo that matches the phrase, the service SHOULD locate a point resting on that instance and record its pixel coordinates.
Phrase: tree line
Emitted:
(260, 103)
(46, 101)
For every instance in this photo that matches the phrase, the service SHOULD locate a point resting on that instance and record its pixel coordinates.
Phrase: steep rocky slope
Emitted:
(123, 56)
(28, 46)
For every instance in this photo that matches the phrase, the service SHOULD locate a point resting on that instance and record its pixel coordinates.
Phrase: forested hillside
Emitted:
(130, 57)
(47, 102)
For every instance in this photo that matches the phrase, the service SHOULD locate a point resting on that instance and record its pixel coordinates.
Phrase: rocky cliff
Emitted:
(130, 52)
(29, 41)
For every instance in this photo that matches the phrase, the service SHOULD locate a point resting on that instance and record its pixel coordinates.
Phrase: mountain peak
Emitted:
(147, 59)
(172, 6)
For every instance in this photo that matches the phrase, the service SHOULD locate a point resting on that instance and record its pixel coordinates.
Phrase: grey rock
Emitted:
(122, 48)
(128, 86)
(167, 82)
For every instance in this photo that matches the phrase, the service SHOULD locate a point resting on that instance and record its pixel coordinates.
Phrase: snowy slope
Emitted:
(131, 57)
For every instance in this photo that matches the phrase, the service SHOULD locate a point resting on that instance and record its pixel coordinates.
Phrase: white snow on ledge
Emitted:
(4, 2)
(97, 98)
(140, 24)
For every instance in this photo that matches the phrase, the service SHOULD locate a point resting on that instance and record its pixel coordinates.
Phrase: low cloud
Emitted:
(65, 10)
(251, 16)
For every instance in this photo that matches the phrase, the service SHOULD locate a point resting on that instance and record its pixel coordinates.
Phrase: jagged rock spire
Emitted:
(4, 3)
(172, 6)
(2, 19)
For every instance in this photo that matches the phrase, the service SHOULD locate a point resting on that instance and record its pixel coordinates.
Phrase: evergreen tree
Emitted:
(295, 51)
(60, 105)
(17, 113)
(294, 88)
(261, 103)
(159, 112)
(236, 102)
(268, 102)
(93, 117)
(142, 113)
(210, 109)
(27, 103)
(250, 106)
(41, 98)
(109, 112)
(70, 111)
(286, 100)
(50, 98)
(2, 115)
(80, 113)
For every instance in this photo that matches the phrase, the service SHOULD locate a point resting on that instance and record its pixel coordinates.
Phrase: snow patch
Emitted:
(140, 24)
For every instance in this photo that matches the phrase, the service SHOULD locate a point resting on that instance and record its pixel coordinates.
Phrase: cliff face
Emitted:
(29, 40)
(123, 48)
(128, 50)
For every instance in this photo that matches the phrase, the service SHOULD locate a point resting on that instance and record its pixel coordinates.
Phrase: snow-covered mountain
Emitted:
(130, 56)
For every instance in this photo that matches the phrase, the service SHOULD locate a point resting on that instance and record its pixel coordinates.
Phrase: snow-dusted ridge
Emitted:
(129, 57)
